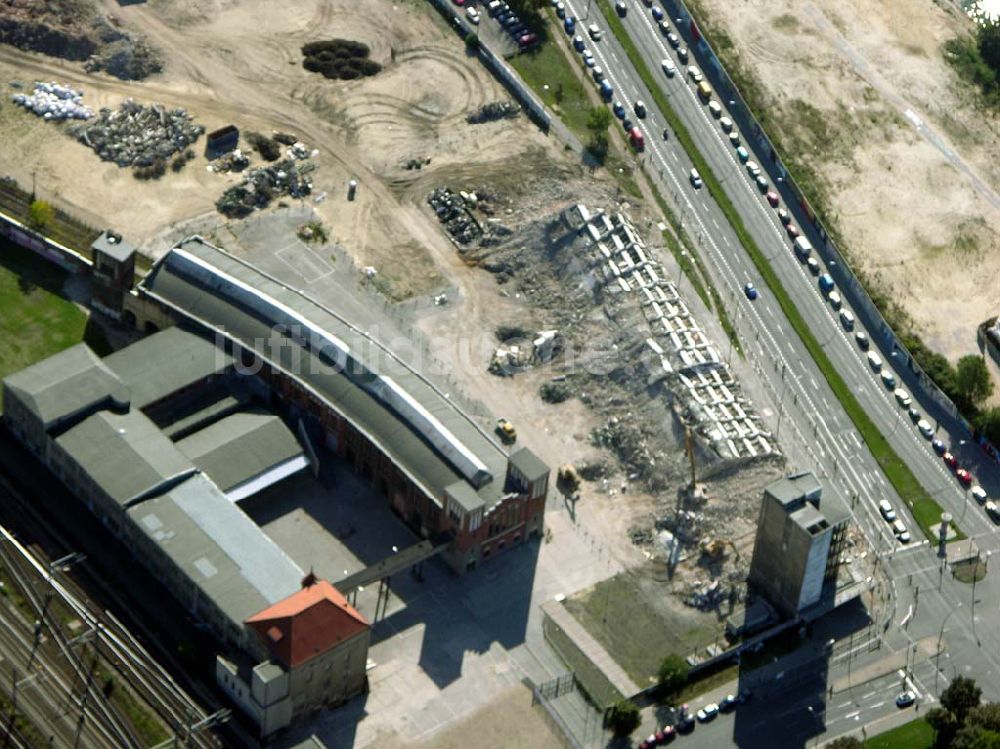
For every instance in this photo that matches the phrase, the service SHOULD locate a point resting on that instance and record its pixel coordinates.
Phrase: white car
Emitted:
(888, 379)
(978, 493)
(886, 509)
(707, 713)
(734, 138)
(925, 428)
(902, 397)
(901, 533)
(726, 124)
(588, 58)
(472, 14)
(695, 179)
(594, 31)
(668, 67)
(694, 74)
(598, 74)
(753, 169)
(715, 108)
(834, 299)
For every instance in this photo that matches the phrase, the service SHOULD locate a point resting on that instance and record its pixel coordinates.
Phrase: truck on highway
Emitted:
(802, 247)
(636, 138)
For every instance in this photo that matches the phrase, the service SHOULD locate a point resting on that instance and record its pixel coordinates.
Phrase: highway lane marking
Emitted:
(772, 220)
(727, 273)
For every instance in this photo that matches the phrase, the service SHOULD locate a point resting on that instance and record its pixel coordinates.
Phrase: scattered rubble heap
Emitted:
(339, 59)
(495, 110)
(54, 102)
(261, 185)
(520, 353)
(234, 161)
(76, 30)
(454, 212)
(677, 350)
(135, 135)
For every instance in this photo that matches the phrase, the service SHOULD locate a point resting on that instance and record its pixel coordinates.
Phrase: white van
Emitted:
(802, 247)
(902, 397)
(847, 319)
(874, 361)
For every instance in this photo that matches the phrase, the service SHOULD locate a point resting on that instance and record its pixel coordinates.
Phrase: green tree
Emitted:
(40, 214)
(944, 724)
(623, 718)
(975, 737)
(988, 41)
(673, 673)
(845, 742)
(598, 120)
(961, 696)
(972, 379)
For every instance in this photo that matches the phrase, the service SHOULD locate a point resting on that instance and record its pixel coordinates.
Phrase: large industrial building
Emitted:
(800, 541)
(241, 383)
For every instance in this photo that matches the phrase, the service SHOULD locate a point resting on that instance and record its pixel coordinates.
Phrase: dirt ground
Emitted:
(919, 209)
(239, 63)
(509, 722)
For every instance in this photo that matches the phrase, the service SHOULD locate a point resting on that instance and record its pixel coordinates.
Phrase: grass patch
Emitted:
(962, 53)
(705, 681)
(627, 615)
(917, 734)
(36, 321)
(550, 75)
(966, 572)
(64, 229)
(146, 723)
(592, 681)
(925, 510)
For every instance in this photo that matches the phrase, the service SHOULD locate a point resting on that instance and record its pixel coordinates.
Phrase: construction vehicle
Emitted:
(568, 479)
(506, 430)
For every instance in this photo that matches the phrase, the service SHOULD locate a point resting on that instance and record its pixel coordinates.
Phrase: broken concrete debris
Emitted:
(137, 135)
(52, 101)
(453, 211)
(517, 354)
(262, 184)
(495, 110)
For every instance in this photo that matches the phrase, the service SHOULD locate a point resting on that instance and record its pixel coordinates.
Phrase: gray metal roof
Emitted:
(529, 464)
(222, 550)
(467, 497)
(239, 447)
(113, 245)
(165, 362)
(379, 395)
(126, 455)
(66, 383)
(790, 489)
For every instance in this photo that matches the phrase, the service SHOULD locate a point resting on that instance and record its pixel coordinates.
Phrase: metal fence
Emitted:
(534, 108)
(552, 716)
(867, 313)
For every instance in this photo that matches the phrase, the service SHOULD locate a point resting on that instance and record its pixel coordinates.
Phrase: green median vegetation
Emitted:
(925, 510)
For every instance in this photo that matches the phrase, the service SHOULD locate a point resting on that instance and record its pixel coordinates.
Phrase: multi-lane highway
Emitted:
(815, 432)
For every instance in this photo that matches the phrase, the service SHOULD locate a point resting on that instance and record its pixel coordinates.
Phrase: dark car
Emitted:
(621, 8)
(939, 447)
(657, 12)
(685, 724)
(751, 291)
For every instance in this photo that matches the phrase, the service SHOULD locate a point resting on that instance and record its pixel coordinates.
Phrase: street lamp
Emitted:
(937, 657)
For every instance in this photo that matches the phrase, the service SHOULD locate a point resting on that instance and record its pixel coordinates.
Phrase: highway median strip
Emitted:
(926, 511)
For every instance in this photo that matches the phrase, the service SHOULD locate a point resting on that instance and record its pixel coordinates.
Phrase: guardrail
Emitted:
(534, 108)
(868, 314)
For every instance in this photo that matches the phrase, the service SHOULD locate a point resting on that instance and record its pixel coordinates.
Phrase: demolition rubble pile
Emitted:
(136, 135)
(516, 355)
(676, 350)
(263, 184)
(495, 110)
(454, 212)
(54, 102)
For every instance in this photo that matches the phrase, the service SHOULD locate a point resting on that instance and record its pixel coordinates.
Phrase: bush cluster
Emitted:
(153, 171)
(268, 148)
(339, 59)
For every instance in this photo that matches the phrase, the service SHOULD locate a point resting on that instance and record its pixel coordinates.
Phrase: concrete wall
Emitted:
(332, 677)
(54, 252)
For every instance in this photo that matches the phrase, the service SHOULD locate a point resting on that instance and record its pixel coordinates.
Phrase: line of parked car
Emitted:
(686, 722)
(509, 22)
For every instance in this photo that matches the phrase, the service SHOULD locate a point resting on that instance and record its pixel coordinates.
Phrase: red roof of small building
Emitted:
(307, 623)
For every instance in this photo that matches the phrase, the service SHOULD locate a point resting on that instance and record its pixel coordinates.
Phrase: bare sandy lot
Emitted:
(241, 64)
(907, 160)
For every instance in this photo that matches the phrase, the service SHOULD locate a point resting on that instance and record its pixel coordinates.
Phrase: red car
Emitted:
(458, 2)
(793, 232)
(772, 198)
(964, 477)
(950, 460)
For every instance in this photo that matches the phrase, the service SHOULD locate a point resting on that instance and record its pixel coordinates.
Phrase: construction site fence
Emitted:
(834, 261)
(532, 106)
(25, 236)
(542, 694)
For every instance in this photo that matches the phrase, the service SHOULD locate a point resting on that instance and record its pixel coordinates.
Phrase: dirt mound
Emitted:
(76, 31)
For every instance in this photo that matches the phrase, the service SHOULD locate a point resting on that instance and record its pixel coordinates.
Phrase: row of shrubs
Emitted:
(339, 59)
